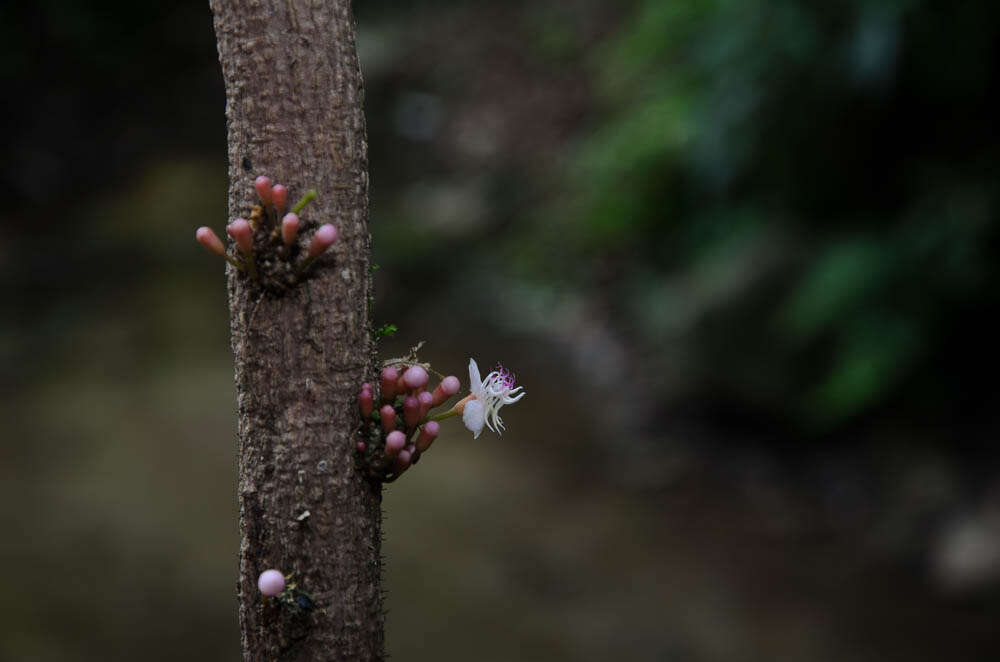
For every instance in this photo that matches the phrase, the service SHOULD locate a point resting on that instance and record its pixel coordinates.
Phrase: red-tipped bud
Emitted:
(210, 241)
(388, 379)
(427, 435)
(289, 228)
(367, 387)
(361, 446)
(322, 240)
(448, 387)
(426, 400)
(394, 443)
(411, 411)
(415, 378)
(240, 231)
(263, 186)
(367, 403)
(279, 198)
(388, 416)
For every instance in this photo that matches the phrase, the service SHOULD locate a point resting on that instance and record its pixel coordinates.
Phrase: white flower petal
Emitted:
(474, 416)
(475, 383)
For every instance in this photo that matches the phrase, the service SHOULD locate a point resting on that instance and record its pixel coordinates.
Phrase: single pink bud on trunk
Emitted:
(402, 462)
(207, 238)
(448, 387)
(289, 228)
(411, 411)
(322, 240)
(427, 435)
(388, 379)
(240, 231)
(367, 403)
(394, 443)
(425, 399)
(279, 197)
(415, 378)
(263, 186)
(388, 416)
(271, 582)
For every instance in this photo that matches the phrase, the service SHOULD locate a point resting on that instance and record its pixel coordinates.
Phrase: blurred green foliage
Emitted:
(811, 184)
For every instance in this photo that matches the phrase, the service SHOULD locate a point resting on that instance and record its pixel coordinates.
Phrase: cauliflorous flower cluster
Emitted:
(273, 239)
(402, 425)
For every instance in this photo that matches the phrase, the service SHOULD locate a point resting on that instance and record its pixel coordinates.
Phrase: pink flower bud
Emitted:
(210, 241)
(322, 240)
(425, 399)
(388, 416)
(279, 197)
(361, 446)
(415, 378)
(427, 435)
(402, 462)
(411, 411)
(240, 231)
(394, 443)
(289, 228)
(366, 387)
(263, 186)
(388, 378)
(366, 403)
(271, 582)
(448, 387)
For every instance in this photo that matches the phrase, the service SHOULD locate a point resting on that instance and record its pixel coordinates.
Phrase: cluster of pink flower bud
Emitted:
(402, 415)
(273, 202)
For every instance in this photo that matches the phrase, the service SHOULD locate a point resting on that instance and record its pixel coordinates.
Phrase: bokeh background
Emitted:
(741, 254)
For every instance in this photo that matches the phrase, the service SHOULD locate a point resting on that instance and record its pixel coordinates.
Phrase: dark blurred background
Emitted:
(741, 254)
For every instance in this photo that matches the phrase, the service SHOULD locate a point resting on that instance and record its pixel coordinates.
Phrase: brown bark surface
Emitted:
(302, 349)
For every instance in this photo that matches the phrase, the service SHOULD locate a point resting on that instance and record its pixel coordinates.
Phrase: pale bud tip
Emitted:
(322, 240)
(240, 231)
(279, 197)
(263, 186)
(207, 238)
(271, 582)
(289, 228)
(394, 442)
(432, 428)
(415, 377)
(450, 385)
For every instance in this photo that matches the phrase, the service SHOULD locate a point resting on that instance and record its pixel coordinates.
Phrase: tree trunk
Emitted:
(302, 348)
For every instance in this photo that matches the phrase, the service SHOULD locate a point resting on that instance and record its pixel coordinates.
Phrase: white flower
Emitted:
(489, 395)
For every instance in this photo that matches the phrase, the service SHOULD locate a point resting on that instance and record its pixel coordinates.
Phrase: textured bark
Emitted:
(302, 349)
